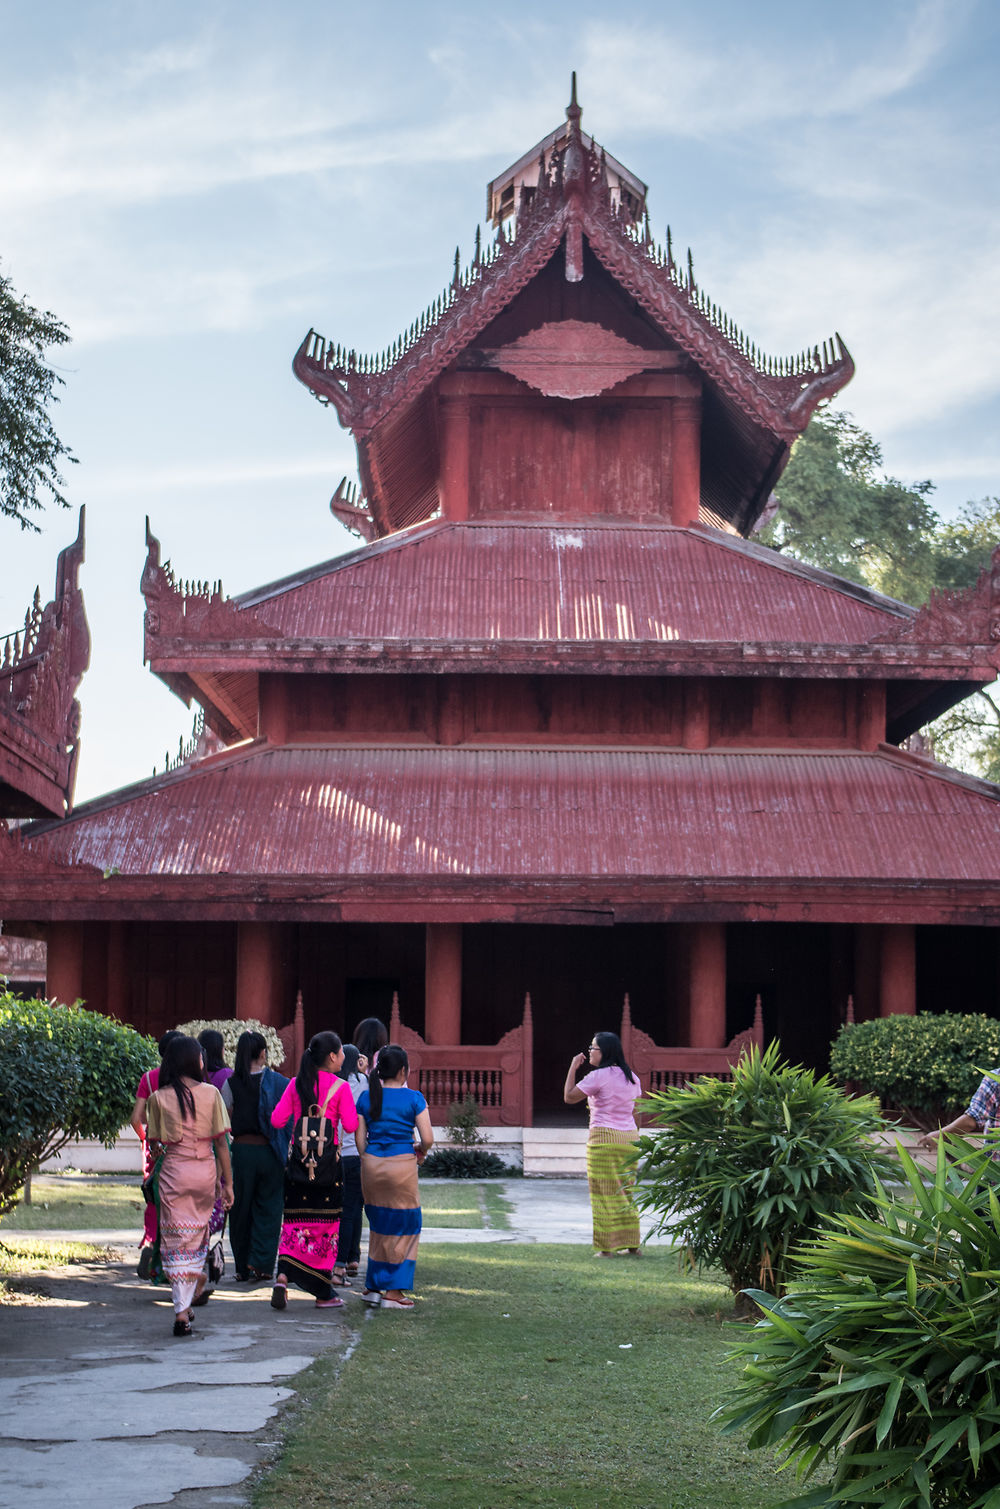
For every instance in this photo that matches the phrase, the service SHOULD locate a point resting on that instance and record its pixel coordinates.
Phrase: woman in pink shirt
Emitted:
(611, 1090)
(308, 1244)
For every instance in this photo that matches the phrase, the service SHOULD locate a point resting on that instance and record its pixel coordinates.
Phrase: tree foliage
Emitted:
(884, 1357)
(64, 1072)
(839, 512)
(739, 1172)
(31, 452)
(926, 1066)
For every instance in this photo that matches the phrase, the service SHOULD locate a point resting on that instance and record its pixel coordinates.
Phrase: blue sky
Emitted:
(191, 187)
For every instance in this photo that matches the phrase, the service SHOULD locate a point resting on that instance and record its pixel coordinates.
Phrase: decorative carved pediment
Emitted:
(192, 610)
(42, 665)
(572, 201)
(574, 359)
(969, 616)
(18, 856)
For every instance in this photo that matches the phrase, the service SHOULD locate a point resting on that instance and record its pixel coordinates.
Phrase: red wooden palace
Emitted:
(557, 728)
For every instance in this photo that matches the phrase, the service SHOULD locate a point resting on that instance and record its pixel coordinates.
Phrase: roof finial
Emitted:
(573, 110)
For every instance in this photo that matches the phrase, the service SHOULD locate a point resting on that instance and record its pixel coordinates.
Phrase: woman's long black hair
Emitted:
(307, 1080)
(250, 1046)
(370, 1037)
(391, 1061)
(181, 1061)
(612, 1053)
(211, 1042)
(350, 1064)
(166, 1040)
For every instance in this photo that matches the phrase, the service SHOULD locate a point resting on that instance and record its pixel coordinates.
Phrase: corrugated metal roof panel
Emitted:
(548, 813)
(620, 583)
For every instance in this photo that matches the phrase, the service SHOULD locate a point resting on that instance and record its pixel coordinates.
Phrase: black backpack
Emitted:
(313, 1154)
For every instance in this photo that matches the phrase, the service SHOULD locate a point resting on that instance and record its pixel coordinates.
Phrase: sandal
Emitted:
(352, 1270)
(340, 1278)
(333, 1303)
(397, 1304)
(182, 1325)
(371, 1297)
(279, 1294)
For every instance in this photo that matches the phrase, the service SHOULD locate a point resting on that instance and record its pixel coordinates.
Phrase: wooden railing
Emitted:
(660, 1068)
(497, 1076)
(293, 1040)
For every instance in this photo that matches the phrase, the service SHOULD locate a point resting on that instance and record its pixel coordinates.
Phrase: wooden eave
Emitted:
(213, 649)
(201, 817)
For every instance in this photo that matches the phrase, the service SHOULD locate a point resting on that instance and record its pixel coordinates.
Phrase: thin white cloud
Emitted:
(226, 472)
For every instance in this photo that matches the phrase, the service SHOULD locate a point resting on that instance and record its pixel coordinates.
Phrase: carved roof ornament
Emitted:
(574, 359)
(20, 858)
(191, 610)
(351, 510)
(969, 615)
(42, 665)
(573, 200)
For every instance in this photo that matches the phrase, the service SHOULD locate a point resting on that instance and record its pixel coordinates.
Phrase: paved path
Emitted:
(101, 1408)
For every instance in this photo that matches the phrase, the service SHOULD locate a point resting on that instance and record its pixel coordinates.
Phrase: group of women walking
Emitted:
(290, 1161)
(293, 1161)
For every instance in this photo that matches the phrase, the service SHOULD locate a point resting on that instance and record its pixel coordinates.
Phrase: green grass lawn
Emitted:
(71, 1203)
(458, 1202)
(530, 1376)
(22, 1256)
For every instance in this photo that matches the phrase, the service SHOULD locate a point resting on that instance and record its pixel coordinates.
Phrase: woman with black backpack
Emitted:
(314, 1104)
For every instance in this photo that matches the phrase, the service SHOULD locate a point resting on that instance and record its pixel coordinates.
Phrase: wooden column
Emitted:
(455, 440)
(697, 715)
(686, 459)
(898, 972)
(258, 973)
(871, 714)
(443, 983)
(117, 993)
(867, 966)
(64, 966)
(708, 985)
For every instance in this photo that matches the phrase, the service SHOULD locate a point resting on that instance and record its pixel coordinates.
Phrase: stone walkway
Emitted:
(101, 1408)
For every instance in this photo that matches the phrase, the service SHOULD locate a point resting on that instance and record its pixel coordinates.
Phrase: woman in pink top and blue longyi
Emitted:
(611, 1090)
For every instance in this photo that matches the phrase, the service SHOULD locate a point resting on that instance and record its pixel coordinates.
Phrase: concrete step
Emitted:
(554, 1151)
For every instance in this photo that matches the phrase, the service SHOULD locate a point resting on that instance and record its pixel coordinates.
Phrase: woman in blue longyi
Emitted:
(389, 1115)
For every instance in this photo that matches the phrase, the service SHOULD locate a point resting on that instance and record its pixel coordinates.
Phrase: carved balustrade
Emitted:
(496, 1075)
(663, 1068)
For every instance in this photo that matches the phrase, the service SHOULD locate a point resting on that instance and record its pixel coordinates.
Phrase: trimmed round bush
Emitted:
(232, 1031)
(927, 1067)
(64, 1072)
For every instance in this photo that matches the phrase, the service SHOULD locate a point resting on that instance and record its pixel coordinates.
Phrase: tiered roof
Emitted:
(377, 833)
(588, 598)
(756, 404)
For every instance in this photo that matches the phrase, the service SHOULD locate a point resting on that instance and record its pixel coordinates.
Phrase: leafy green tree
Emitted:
(31, 453)
(64, 1072)
(838, 512)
